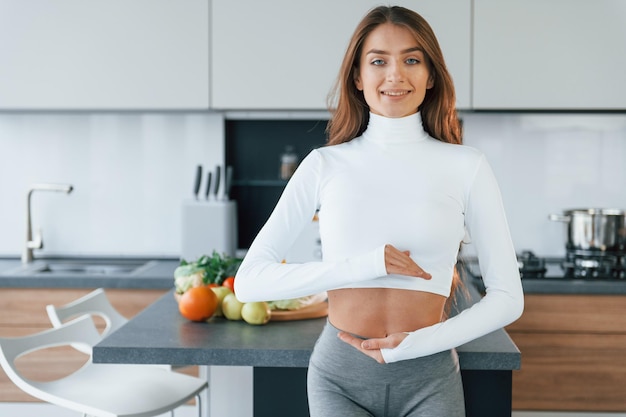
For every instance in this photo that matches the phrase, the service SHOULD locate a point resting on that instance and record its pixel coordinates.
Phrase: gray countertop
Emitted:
(160, 335)
(568, 286)
(155, 274)
(159, 274)
(552, 283)
(574, 286)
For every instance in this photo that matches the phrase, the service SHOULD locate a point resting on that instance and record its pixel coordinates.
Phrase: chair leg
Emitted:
(205, 373)
(199, 405)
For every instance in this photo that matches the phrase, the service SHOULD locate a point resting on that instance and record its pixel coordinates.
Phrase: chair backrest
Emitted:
(80, 331)
(94, 303)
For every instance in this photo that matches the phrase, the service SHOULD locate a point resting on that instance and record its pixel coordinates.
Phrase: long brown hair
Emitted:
(350, 112)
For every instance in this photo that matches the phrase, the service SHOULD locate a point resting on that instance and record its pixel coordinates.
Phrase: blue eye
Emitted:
(378, 62)
(412, 61)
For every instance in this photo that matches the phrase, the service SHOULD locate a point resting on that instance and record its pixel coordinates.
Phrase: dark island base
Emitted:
(281, 392)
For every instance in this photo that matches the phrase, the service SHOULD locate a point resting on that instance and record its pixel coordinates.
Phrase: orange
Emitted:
(198, 303)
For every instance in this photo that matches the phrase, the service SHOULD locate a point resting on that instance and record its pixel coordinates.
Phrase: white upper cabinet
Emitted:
(284, 54)
(104, 54)
(556, 54)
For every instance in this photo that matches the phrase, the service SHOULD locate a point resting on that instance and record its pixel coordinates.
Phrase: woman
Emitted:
(396, 194)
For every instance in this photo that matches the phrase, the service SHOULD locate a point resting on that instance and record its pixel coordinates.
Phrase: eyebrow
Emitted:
(406, 51)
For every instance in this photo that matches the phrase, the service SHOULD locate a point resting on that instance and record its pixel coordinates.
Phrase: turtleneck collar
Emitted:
(386, 130)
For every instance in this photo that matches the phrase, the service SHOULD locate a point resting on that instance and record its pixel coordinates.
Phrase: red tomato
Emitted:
(229, 283)
(212, 285)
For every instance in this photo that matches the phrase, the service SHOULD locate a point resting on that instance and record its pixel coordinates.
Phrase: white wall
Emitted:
(547, 163)
(132, 171)
(130, 174)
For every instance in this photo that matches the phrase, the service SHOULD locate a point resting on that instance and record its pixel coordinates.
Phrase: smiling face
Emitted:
(393, 74)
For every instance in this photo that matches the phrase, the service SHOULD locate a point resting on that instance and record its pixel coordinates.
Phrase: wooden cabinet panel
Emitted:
(570, 372)
(573, 349)
(572, 313)
(23, 311)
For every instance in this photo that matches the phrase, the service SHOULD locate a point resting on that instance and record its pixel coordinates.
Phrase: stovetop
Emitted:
(574, 266)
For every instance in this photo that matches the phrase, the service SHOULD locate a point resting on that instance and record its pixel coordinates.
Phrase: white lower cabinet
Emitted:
(557, 54)
(281, 54)
(101, 55)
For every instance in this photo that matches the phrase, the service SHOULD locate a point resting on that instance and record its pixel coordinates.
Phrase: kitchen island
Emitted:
(279, 354)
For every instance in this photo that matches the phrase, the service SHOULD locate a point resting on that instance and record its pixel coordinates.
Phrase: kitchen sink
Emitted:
(81, 267)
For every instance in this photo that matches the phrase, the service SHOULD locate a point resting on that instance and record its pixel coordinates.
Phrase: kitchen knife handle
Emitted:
(198, 181)
(218, 171)
(208, 185)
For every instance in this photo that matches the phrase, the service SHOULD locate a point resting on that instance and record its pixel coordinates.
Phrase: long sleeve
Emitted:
(503, 303)
(262, 276)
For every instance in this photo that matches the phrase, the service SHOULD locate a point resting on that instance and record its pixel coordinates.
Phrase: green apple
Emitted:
(221, 293)
(256, 312)
(231, 307)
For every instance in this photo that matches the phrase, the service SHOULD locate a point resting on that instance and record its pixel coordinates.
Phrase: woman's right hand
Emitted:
(400, 262)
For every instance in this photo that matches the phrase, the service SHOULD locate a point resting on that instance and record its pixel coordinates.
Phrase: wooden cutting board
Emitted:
(309, 312)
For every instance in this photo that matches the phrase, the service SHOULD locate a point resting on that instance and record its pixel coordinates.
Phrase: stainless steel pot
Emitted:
(594, 229)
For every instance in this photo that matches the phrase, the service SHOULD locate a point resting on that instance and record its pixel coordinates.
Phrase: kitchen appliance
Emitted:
(575, 265)
(594, 259)
(596, 243)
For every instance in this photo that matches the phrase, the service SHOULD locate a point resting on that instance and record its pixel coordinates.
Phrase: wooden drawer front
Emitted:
(27, 307)
(570, 372)
(573, 313)
(23, 311)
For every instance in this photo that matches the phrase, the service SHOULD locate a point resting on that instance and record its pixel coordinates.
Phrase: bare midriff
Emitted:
(378, 312)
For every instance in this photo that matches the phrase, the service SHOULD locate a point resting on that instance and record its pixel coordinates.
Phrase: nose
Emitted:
(395, 72)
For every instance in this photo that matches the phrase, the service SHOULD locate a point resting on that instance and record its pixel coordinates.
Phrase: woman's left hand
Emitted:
(372, 347)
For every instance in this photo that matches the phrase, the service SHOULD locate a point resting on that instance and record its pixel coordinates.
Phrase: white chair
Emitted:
(94, 303)
(101, 390)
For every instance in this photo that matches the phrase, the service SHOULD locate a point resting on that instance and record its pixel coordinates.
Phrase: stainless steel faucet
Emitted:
(27, 255)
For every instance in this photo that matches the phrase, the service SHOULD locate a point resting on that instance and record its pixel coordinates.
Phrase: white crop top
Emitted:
(392, 185)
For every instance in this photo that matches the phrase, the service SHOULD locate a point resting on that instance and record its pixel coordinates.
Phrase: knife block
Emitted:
(208, 226)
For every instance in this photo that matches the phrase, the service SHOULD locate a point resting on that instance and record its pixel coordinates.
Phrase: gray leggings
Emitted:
(343, 382)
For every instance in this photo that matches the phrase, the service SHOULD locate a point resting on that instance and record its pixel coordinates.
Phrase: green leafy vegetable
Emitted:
(205, 270)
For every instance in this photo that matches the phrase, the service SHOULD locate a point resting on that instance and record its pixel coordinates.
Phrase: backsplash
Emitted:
(131, 172)
(547, 163)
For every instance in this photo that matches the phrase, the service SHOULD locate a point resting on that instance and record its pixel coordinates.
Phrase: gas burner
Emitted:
(594, 264)
(531, 266)
(582, 266)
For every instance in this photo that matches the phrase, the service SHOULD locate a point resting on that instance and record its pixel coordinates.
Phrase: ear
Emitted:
(431, 82)
(357, 80)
